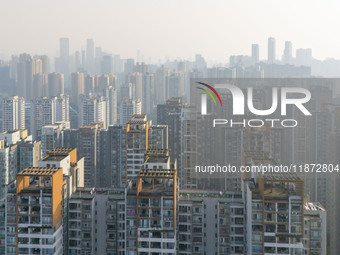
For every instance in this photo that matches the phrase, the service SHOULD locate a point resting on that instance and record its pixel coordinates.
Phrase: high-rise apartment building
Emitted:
(14, 155)
(47, 111)
(13, 113)
(62, 108)
(148, 99)
(89, 148)
(170, 114)
(62, 63)
(27, 67)
(51, 137)
(152, 205)
(97, 222)
(128, 108)
(274, 212)
(210, 223)
(93, 109)
(36, 205)
(113, 156)
(77, 87)
(73, 178)
(39, 211)
(188, 140)
(137, 137)
(111, 95)
(55, 85)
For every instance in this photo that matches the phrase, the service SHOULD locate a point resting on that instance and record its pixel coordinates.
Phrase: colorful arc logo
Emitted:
(204, 97)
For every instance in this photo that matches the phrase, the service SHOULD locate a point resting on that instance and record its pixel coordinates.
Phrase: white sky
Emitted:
(174, 28)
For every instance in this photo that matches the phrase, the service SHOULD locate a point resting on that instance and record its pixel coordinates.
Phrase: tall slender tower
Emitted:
(271, 50)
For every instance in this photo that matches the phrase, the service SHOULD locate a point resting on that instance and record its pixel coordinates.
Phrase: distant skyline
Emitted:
(175, 29)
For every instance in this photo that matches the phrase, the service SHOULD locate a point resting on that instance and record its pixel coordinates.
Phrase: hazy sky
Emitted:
(174, 28)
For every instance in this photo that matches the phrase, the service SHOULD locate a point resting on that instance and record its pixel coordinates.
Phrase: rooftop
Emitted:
(11, 131)
(313, 206)
(156, 159)
(281, 177)
(38, 171)
(138, 116)
(60, 151)
(157, 173)
(162, 152)
(137, 122)
(53, 158)
(157, 189)
(156, 156)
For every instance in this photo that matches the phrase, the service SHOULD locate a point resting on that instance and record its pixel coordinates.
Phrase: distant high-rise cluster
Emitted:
(98, 155)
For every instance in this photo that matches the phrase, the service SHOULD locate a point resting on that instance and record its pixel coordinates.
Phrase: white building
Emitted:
(62, 108)
(128, 108)
(111, 95)
(13, 113)
(93, 109)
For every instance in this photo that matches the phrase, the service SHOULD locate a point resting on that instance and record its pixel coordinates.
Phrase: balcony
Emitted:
(23, 200)
(35, 241)
(23, 210)
(35, 251)
(282, 218)
(270, 228)
(282, 229)
(282, 250)
(283, 207)
(34, 200)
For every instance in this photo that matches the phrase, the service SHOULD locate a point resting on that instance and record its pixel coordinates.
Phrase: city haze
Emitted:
(175, 29)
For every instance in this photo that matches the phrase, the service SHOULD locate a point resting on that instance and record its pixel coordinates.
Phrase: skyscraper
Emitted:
(106, 64)
(27, 68)
(137, 80)
(160, 83)
(148, 99)
(77, 87)
(271, 50)
(137, 137)
(64, 48)
(55, 84)
(129, 66)
(111, 95)
(287, 53)
(62, 108)
(88, 147)
(115, 169)
(13, 113)
(62, 63)
(39, 85)
(255, 53)
(170, 115)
